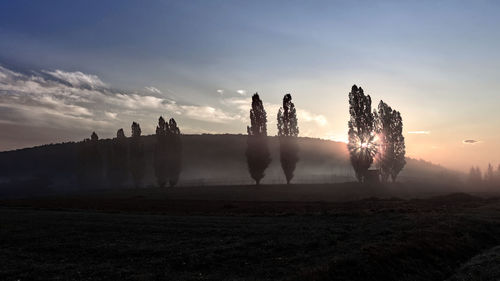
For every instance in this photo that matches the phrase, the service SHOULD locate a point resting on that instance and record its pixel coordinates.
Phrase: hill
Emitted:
(207, 160)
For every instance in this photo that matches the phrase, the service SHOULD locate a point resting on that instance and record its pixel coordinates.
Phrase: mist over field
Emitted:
(207, 160)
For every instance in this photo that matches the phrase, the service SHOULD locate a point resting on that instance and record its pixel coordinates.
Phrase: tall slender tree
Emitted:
(399, 147)
(118, 160)
(391, 146)
(137, 161)
(257, 152)
(161, 152)
(362, 147)
(174, 165)
(288, 130)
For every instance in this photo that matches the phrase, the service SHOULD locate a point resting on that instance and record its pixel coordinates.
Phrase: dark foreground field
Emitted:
(161, 235)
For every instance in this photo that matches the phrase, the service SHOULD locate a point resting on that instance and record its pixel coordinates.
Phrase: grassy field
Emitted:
(153, 234)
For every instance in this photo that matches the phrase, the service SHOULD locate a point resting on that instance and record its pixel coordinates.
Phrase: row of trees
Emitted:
(490, 177)
(126, 157)
(168, 152)
(257, 152)
(374, 135)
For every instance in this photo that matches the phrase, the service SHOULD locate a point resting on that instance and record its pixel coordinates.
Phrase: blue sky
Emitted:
(435, 61)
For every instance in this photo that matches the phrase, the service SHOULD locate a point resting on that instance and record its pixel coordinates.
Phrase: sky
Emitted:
(68, 68)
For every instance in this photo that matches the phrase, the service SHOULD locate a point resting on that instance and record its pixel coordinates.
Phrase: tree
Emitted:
(497, 175)
(475, 177)
(399, 146)
(391, 144)
(257, 152)
(288, 131)
(489, 176)
(137, 163)
(174, 165)
(361, 132)
(118, 160)
(89, 163)
(94, 137)
(161, 153)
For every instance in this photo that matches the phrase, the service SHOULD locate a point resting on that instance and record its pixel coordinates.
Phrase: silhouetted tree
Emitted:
(489, 176)
(94, 137)
(161, 153)
(361, 132)
(391, 143)
(497, 175)
(118, 160)
(89, 163)
(475, 178)
(257, 153)
(399, 146)
(137, 163)
(174, 165)
(288, 130)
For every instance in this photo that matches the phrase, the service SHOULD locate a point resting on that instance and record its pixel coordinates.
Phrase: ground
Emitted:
(251, 233)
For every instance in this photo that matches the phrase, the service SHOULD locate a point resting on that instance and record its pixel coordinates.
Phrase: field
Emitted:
(298, 232)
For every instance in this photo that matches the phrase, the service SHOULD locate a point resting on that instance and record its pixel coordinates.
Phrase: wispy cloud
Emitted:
(153, 90)
(307, 116)
(77, 79)
(419, 132)
(241, 92)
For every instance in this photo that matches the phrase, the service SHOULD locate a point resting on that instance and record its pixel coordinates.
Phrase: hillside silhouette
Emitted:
(207, 160)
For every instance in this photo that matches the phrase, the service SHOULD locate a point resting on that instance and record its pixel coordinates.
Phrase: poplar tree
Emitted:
(257, 152)
(137, 162)
(288, 131)
(174, 164)
(361, 132)
(391, 147)
(161, 153)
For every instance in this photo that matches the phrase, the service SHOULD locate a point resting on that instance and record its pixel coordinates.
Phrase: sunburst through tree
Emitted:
(362, 138)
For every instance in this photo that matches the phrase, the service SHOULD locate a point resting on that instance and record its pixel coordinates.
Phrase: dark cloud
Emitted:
(470, 141)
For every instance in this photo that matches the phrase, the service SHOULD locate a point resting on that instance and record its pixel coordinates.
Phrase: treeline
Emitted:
(376, 135)
(491, 177)
(125, 158)
(373, 136)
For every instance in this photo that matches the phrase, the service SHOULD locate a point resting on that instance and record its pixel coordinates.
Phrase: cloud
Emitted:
(153, 90)
(111, 115)
(241, 92)
(76, 103)
(77, 79)
(221, 92)
(337, 138)
(307, 116)
(419, 132)
(208, 113)
(79, 101)
(470, 141)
